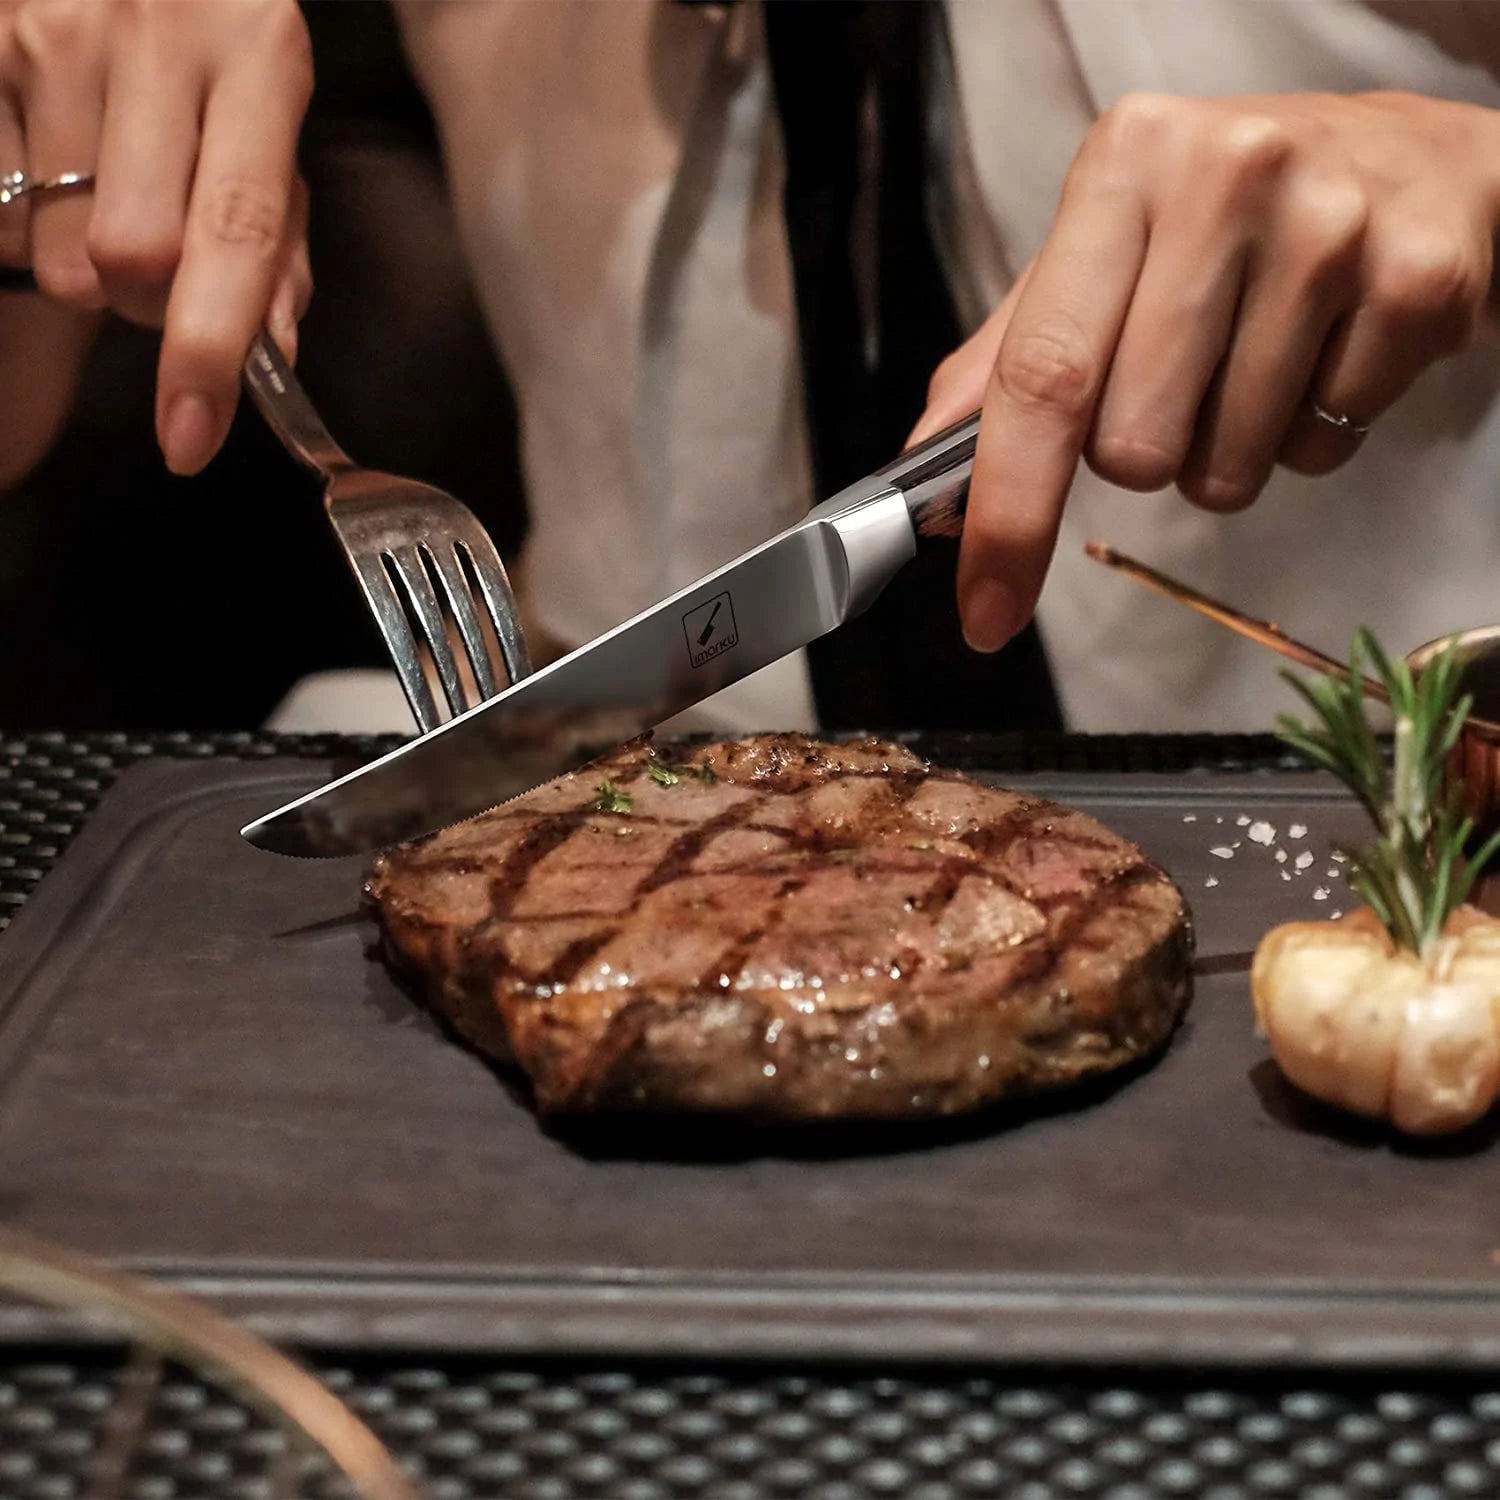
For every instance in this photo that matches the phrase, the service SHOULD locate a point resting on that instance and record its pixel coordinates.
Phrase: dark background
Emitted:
(131, 599)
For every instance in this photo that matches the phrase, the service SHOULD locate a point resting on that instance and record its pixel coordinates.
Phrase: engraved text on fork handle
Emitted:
(283, 403)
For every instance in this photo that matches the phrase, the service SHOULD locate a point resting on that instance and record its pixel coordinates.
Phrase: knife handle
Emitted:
(934, 477)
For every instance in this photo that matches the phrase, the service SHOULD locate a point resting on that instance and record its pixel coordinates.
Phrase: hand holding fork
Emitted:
(429, 571)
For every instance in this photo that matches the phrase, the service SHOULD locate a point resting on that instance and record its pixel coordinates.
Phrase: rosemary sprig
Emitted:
(1412, 876)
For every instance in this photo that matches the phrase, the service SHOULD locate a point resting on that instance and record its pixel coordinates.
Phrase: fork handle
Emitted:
(289, 413)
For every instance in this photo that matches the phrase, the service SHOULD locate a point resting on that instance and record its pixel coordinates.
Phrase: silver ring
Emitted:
(1337, 419)
(16, 185)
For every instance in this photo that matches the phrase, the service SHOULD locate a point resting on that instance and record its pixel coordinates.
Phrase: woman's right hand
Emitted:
(187, 113)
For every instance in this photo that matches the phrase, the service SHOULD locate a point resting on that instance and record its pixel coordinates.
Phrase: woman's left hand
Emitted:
(1223, 282)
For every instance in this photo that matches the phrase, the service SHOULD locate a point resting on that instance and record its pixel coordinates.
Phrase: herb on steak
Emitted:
(671, 775)
(610, 799)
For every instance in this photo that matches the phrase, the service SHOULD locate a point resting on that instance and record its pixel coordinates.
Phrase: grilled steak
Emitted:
(786, 929)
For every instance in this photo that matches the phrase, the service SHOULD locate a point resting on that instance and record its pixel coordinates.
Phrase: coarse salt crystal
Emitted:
(1297, 831)
(1333, 916)
(1333, 872)
(1190, 817)
(1286, 875)
(1321, 894)
(1281, 856)
(1304, 859)
(1243, 820)
(1222, 851)
(1262, 833)
(1211, 882)
(1339, 857)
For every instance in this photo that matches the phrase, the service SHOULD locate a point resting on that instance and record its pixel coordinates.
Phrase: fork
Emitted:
(419, 554)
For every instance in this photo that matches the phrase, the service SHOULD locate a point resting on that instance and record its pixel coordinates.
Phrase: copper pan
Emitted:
(1473, 766)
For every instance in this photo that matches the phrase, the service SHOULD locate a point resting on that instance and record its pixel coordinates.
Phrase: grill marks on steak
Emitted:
(821, 930)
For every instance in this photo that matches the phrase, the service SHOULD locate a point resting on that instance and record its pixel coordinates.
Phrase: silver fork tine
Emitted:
(456, 587)
(380, 595)
(429, 612)
(499, 600)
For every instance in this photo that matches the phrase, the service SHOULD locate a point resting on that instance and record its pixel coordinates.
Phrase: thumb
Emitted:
(956, 389)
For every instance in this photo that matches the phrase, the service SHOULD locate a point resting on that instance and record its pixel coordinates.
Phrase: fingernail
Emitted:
(921, 432)
(988, 609)
(282, 322)
(191, 433)
(284, 331)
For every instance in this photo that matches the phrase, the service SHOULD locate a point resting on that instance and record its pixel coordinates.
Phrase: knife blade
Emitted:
(768, 602)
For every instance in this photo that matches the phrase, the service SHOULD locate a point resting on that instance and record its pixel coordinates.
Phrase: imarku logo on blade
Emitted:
(710, 629)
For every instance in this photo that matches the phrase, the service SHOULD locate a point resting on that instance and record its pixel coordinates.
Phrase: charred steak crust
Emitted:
(785, 928)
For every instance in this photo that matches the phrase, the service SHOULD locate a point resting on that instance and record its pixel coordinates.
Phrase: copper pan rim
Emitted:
(1469, 644)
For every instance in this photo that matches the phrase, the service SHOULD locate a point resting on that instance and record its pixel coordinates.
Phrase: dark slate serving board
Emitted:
(205, 1075)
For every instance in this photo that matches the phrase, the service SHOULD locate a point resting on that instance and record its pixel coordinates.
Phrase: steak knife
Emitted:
(768, 602)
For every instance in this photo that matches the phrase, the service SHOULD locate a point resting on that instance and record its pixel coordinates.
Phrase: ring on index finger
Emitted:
(17, 185)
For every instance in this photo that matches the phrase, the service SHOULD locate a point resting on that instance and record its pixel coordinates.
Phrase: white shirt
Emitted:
(616, 171)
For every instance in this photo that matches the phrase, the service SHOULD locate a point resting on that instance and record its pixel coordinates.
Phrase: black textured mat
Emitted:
(480, 1431)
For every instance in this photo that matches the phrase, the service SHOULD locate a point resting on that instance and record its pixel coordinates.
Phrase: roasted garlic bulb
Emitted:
(1358, 1022)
